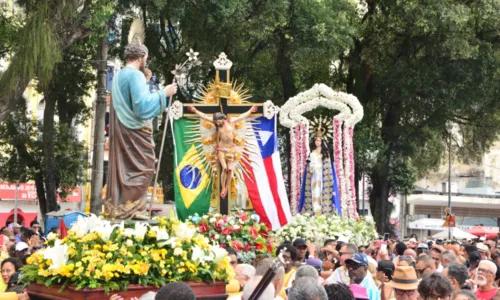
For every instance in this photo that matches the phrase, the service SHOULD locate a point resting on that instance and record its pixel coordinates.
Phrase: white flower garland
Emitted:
(293, 171)
(339, 165)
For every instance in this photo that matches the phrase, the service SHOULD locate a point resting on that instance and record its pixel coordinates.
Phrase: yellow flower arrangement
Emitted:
(97, 253)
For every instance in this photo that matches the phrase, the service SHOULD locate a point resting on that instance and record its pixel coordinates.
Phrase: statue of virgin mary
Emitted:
(319, 191)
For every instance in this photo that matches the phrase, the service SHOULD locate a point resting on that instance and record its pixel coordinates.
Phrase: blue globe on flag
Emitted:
(190, 177)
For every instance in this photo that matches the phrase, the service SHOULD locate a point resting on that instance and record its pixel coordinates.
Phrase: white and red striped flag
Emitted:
(264, 177)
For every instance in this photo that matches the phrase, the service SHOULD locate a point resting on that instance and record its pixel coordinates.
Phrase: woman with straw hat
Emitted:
(404, 283)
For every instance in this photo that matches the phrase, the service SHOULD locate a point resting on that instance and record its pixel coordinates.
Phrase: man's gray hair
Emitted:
(247, 270)
(307, 288)
(306, 271)
(449, 256)
(252, 284)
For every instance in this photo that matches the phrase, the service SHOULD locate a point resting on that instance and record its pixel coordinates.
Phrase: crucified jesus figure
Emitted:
(226, 150)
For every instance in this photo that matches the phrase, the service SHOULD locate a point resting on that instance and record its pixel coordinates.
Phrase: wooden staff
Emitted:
(268, 276)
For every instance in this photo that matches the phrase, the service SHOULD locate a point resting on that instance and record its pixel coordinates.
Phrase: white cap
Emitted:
(412, 240)
(343, 239)
(21, 246)
(481, 247)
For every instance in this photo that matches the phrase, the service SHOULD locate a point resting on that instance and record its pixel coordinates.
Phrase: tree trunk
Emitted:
(40, 192)
(284, 68)
(99, 122)
(48, 151)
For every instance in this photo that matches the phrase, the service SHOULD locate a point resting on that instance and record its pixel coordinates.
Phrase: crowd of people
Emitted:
(17, 242)
(408, 269)
(392, 269)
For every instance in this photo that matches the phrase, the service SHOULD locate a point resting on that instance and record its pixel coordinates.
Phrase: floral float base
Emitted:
(216, 290)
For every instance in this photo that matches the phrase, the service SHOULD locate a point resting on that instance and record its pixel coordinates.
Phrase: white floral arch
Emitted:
(350, 112)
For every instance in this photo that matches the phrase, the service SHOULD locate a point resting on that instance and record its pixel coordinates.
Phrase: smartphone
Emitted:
(383, 247)
(386, 236)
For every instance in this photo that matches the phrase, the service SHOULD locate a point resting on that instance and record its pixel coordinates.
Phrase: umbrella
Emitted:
(490, 233)
(455, 233)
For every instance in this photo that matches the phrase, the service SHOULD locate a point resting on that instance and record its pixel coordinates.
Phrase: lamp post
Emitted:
(449, 181)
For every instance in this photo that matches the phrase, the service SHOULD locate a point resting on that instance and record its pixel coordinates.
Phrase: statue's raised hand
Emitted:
(171, 89)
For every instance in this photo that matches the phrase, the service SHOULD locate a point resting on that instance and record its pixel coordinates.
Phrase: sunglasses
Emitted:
(421, 271)
(403, 292)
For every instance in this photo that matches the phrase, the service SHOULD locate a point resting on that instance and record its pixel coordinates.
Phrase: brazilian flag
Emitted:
(192, 184)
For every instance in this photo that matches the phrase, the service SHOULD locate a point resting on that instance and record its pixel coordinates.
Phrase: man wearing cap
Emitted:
(422, 248)
(300, 249)
(341, 275)
(22, 250)
(404, 283)
(357, 266)
(412, 244)
(483, 249)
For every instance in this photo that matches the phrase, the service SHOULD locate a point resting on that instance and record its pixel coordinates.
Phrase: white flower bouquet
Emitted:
(317, 229)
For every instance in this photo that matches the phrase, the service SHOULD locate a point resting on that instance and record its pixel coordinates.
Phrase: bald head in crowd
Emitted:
(410, 252)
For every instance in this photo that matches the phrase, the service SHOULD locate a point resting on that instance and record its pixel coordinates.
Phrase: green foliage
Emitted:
(419, 67)
(22, 153)
(36, 48)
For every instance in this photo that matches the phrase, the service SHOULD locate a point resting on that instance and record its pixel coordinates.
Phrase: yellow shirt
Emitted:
(8, 296)
(3, 286)
(286, 282)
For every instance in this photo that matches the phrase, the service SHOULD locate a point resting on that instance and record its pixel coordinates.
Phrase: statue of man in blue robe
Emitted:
(131, 153)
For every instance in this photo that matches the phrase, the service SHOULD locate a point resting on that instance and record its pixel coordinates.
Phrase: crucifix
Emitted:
(220, 101)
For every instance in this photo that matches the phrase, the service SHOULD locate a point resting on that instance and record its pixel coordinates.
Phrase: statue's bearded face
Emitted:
(219, 123)
(142, 66)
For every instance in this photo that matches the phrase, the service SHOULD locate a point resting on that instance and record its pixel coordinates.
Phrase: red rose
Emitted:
(204, 227)
(247, 247)
(269, 248)
(244, 217)
(253, 232)
(259, 246)
(263, 232)
(236, 245)
(226, 231)
(224, 218)
(218, 225)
